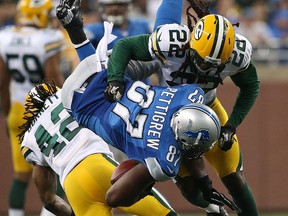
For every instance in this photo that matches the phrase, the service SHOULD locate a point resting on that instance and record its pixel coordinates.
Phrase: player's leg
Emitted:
(60, 192)
(161, 207)
(169, 11)
(22, 169)
(87, 184)
(228, 166)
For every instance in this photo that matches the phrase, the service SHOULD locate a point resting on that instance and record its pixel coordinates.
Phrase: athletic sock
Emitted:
(17, 194)
(246, 201)
(16, 212)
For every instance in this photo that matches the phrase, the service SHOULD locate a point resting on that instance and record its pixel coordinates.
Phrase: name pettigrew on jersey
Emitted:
(159, 118)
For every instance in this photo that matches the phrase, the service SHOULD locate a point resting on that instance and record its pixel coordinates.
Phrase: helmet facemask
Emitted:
(207, 66)
(211, 44)
(194, 149)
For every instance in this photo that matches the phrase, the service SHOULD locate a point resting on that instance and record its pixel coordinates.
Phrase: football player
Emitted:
(115, 11)
(68, 14)
(206, 54)
(83, 97)
(29, 52)
(55, 144)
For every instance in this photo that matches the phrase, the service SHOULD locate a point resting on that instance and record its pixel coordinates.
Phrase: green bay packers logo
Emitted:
(199, 30)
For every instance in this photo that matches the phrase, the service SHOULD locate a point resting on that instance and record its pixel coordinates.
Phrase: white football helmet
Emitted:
(196, 128)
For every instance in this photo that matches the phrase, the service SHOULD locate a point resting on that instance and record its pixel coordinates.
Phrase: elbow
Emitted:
(47, 200)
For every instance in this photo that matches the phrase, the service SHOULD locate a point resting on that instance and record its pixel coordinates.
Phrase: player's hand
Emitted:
(213, 196)
(68, 13)
(209, 193)
(230, 203)
(226, 138)
(114, 91)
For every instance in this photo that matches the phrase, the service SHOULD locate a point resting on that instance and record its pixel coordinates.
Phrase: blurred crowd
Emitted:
(263, 22)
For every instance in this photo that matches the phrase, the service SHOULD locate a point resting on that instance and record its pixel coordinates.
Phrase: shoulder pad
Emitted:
(242, 52)
(167, 40)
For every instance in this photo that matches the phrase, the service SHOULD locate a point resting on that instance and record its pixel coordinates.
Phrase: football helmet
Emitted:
(212, 42)
(196, 128)
(34, 12)
(115, 11)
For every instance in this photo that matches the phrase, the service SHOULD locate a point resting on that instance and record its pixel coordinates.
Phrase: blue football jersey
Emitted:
(139, 123)
(95, 31)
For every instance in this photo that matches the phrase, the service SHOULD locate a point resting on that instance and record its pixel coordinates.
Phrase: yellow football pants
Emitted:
(86, 186)
(15, 120)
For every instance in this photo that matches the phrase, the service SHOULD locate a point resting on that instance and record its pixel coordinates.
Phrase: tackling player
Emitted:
(83, 96)
(206, 54)
(55, 144)
(68, 14)
(29, 52)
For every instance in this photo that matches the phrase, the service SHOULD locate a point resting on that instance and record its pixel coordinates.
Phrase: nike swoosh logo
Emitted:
(171, 171)
(159, 38)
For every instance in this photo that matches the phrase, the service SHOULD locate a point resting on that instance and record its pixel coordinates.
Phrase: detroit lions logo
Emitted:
(198, 135)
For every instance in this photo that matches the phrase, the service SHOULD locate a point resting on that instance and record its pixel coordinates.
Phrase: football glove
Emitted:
(114, 91)
(226, 138)
(69, 14)
(213, 196)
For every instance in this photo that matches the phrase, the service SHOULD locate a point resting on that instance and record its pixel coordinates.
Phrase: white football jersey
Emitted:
(165, 46)
(25, 51)
(56, 140)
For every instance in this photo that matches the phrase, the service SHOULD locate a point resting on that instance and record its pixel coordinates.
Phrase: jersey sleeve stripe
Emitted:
(25, 151)
(54, 46)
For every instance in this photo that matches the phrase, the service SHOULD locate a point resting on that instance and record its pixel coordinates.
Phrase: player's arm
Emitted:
(126, 49)
(199, 179)
(4, 87)
(46, 183)
(132, 186)
(249, 85)
(69, 14)
(53, 71)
